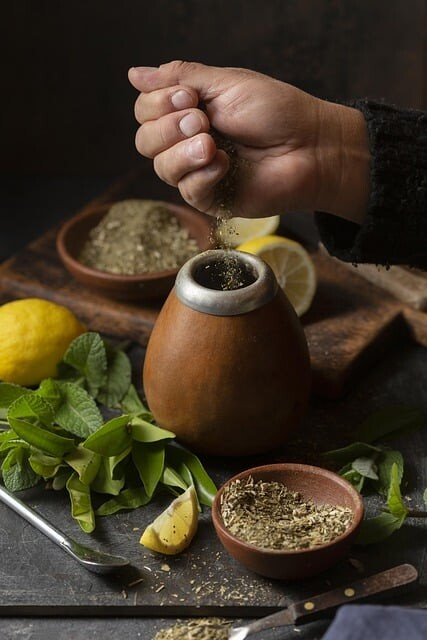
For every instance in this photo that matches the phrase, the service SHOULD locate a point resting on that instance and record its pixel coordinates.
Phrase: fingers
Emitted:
(202, 78)
(156, 136)
(175, 133)
(155, 104)
(198, 188)
(188, 155)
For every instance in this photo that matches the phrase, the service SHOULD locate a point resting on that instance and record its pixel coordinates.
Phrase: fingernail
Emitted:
(190, 125)
(196, 149)
(181, 99)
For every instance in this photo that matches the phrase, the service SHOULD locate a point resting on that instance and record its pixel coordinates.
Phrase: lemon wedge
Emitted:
(172, 531)
(292, 266)
(234, 231)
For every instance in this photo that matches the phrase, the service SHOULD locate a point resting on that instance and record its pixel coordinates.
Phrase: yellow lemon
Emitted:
(234, 231)
(34, 335)
(172, 531)
(292, 265)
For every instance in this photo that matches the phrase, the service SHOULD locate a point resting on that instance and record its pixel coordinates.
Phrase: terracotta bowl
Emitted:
(313, 483)
(73, 235)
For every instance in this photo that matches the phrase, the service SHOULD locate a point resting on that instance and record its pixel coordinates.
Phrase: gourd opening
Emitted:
(225, 273)
(225, 283)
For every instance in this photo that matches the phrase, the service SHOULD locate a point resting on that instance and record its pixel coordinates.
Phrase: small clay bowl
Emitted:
(73, 234)
(319, 485)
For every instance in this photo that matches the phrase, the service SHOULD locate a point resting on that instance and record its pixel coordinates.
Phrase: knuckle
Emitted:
(179, 67)
(187, 191)
(158, 165)
(138, 110)
(140, 142)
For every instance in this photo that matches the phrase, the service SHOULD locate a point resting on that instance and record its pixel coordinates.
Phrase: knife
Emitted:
(317, 606)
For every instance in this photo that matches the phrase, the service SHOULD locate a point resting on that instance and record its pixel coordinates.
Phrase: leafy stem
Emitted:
(57, 434)
(367, 463)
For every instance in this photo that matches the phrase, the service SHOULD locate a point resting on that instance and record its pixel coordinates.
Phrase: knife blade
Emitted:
(320, 605)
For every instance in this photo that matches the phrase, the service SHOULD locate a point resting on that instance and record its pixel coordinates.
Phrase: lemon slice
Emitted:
(292, 266)
(234, 231)
(172, 531)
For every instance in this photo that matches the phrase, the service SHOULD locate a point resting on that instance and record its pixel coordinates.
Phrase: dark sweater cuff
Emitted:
(395, 228)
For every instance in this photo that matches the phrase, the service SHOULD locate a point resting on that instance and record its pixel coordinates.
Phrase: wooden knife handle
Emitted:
(324, 603)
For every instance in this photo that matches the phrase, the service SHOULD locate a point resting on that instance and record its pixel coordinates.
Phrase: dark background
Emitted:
(67, 126)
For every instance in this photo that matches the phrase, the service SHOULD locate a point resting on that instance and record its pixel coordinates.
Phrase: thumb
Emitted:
(207, 81)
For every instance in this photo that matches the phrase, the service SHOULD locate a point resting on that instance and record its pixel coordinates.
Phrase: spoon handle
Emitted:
(33, 518)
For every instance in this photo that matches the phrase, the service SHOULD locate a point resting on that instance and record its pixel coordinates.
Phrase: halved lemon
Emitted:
(292, 265)
(234, 231)
(172, 531)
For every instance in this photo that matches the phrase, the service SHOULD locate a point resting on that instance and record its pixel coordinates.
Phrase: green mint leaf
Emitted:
(172, 478)
(49, 390)
(8, 394)
(149, 459)
(385, 461)
(31, 417)
(87, 355)
(86, 463)
(117, 380)
(378, 528)
(425, 497)
(132, 404)
(354, 478)
(81, 504)
(104, 481)
(78, 412)
(16, 471)
(205, 487)
(112, 438)
(366, 467)
(59, 481)
(351, 452)
(33, 408)
(44, 465)
(390, 422)
(144, 431)
(394, 498)
(9, 440)
(127, 499)
(118, 464)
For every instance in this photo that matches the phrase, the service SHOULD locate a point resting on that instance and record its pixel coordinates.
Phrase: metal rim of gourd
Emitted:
(232, 302)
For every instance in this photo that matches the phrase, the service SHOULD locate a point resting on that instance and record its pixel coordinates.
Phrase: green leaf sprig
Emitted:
(57, 433)
(376, 467)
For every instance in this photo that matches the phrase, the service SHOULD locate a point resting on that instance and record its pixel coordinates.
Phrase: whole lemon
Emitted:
(34, 335)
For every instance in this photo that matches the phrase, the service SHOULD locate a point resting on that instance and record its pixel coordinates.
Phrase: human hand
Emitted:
(295, 152)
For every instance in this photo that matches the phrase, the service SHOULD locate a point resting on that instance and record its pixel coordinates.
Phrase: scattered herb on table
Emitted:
(369, 464)
(268, 515)
(200, 629)
(56, 433)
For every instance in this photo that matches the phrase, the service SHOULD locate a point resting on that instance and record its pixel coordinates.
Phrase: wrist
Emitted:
(344, 161)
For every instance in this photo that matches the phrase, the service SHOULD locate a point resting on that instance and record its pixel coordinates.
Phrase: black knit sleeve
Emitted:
(395, 229)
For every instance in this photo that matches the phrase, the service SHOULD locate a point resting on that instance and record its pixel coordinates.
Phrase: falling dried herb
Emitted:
(269, 515)
(138, 236)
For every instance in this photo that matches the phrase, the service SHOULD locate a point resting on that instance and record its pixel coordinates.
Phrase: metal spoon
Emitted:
(92, 559)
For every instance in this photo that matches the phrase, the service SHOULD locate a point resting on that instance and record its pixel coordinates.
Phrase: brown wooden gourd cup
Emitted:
(227, 371)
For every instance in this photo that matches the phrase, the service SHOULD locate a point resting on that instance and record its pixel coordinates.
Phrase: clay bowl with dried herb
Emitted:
(287, 521)
(132, 249)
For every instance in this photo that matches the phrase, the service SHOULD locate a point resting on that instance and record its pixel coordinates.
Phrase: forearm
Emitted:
(344, 162)
(394, 230)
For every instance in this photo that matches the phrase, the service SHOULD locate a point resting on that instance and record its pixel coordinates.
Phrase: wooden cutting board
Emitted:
(350, 324)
